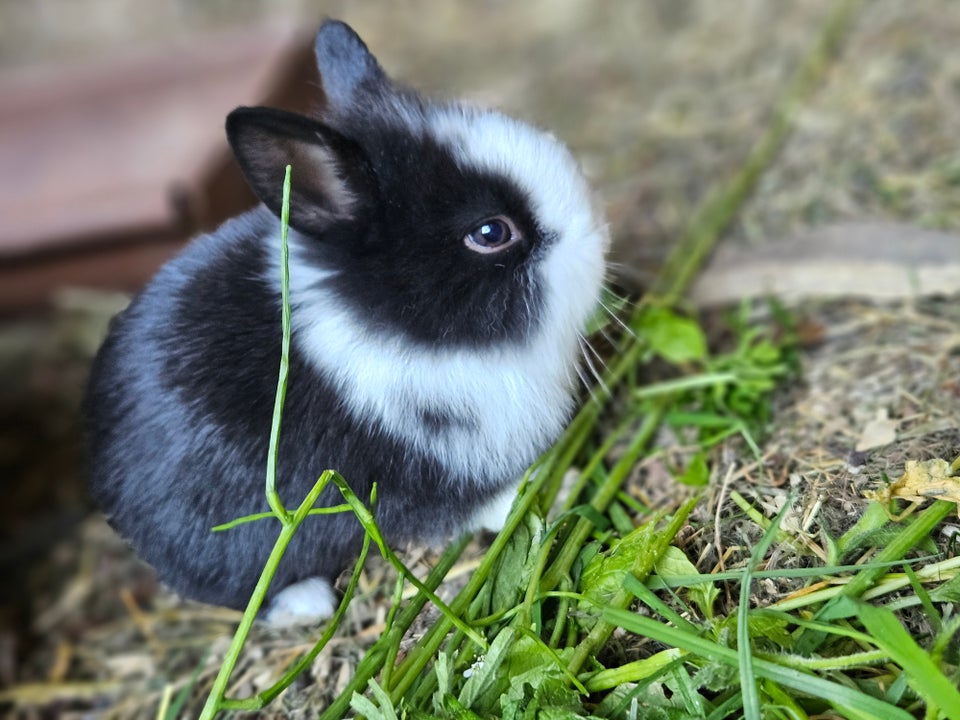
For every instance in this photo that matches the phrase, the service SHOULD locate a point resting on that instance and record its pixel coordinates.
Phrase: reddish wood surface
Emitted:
(106, 167)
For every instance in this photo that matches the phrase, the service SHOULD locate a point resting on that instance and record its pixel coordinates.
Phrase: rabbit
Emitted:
(444, 261)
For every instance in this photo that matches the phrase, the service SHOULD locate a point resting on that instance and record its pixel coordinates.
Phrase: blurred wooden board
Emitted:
(870, 260)
(126, 157)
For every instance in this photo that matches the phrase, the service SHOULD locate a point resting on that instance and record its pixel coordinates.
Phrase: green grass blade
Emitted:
(306, 661)
(748, 682)
(843, 698)
(273, 499)
(923, 675)
(897, 548)
(172, 712)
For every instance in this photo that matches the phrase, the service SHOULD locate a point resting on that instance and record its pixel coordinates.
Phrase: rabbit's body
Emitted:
(442, 262)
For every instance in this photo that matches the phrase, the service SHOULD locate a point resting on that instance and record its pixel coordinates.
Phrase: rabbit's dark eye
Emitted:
(492, 235)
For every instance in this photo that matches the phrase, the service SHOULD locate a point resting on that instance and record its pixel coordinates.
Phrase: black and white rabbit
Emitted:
(443, 261)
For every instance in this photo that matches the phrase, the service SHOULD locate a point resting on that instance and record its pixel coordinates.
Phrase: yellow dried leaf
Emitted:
(921, 480)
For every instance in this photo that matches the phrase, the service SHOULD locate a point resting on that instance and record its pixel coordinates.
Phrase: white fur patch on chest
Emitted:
(482, 413)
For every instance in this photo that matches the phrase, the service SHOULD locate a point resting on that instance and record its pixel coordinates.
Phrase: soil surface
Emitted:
(662, 101)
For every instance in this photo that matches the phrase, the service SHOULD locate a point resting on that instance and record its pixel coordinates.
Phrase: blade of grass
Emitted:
(333, 509)
(421, 654)
(370, 526)
(218, 691)
(656, 582)
(933, 615)
(290, 522)
(748, 681)
(273, 498)
(172, 710)
(784, 700)
(262, 698)
(844, 699)
(922, 674)
(645, 595)
(895, 549)
(682, 384)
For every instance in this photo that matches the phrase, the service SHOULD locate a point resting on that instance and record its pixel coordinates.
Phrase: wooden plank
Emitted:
(131, 149)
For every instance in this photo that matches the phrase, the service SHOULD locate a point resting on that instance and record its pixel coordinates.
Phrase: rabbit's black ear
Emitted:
(330, 177)
(348, 70)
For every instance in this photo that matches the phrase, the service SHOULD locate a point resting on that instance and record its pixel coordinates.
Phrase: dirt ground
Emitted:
(662, 101)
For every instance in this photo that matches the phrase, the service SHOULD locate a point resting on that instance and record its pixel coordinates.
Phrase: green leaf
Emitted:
(948, 591)
(516, 562)
(443, 669)
(366, 707)
(674, 338)
(382, 709)
(604, 575)
(717, 677)
(520, 677)
(539, 686)
(673, 564)
(540, 692)
(485, 683)
(455, 709)
(588, 553)
(767, 625)
(771, 627)
(697, 473)
(633, 671)
(866, 529)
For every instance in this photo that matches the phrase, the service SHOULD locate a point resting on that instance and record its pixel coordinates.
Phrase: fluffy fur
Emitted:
(437, 372)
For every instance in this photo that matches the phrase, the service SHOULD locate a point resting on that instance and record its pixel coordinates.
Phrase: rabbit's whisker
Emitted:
(587, 350)
(616, 318)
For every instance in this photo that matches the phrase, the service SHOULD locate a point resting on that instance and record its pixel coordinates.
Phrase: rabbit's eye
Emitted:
(492, 235)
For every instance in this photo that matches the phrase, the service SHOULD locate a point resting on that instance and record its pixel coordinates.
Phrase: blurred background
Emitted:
(112, 155)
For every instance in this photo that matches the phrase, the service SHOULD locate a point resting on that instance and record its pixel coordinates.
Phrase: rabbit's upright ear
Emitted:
(350, 74)
(330, 177)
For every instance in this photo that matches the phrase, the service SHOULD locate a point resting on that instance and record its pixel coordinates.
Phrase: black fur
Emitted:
(414, 274)
(400, 242)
